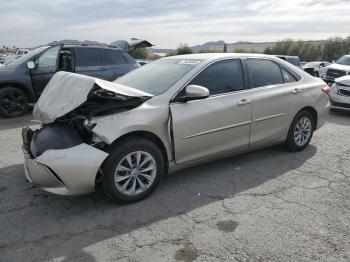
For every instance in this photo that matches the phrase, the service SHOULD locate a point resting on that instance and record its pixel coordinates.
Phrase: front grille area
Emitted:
(344, 92)
(335, 73)
(343, 105)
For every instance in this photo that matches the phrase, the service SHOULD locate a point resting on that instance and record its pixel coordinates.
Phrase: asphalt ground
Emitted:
(267, 205)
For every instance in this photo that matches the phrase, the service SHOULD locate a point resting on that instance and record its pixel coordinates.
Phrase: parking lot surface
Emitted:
(267, 205)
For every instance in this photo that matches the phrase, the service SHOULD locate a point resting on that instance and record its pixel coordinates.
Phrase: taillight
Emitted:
(325, 89)
(135, 66)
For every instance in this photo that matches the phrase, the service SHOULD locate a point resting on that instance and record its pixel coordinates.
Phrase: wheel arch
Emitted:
(27, 90)
(313, 113)
(146, 135)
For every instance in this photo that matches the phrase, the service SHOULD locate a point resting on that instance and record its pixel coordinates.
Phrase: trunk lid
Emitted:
(67, 91)
(132, 44)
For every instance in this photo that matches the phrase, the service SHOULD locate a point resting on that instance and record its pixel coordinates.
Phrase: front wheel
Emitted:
(133, 170)
(300, 131)
(13, 102)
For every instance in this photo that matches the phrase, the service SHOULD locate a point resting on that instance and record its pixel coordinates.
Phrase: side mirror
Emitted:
(196, 92)
(30, 65)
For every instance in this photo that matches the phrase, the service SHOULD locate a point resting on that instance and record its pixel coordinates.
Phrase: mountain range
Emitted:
(195, 48)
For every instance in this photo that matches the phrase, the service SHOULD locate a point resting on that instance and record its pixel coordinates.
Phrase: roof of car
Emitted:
(94, 46)
(317, 62)
(206, 56)
(289, 56)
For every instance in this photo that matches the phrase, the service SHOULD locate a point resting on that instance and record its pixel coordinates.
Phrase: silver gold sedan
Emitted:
(170, 114)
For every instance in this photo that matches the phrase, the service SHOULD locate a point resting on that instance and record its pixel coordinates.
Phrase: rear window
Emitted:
(264, 72)
(287, 77)
(112, 57)
(89, 57)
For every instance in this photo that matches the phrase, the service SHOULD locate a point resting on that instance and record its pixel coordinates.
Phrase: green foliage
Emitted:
(209, 51)
(140, 53)
(330, 49)
(182, 49)
(334, 48)
(242, 50)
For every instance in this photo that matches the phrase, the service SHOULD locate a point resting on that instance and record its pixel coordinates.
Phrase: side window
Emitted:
(264, 72)
(49, 57)
(89, 57)
(112, 57)
(287, 77)
(221, 77)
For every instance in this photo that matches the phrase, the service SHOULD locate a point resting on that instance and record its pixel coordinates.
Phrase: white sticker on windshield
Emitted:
(189, 62)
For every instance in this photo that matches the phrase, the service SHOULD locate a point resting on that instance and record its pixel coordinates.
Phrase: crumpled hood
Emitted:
(344, 80)
(66, 91)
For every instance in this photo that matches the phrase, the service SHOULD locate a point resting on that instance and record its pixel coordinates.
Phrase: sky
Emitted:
(169, 22)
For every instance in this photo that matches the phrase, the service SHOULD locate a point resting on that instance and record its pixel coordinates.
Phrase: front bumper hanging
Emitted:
(69, 171)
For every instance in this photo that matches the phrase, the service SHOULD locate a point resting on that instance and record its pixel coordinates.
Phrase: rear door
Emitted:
(276, 97)
(115, 63)
(219, 123)
(46, 65)
(89, 61)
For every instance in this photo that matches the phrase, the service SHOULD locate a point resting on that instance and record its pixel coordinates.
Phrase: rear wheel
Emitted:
(133, 170)
(300, 131)
(13, 102)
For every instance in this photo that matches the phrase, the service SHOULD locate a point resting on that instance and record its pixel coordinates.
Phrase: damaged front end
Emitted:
(64, 156)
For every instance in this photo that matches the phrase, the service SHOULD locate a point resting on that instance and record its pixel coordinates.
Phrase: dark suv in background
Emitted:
(23, 80)
(294, 60)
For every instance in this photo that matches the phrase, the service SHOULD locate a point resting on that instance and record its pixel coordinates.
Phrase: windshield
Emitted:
(27, 56)
(345, 60)
(157, 77)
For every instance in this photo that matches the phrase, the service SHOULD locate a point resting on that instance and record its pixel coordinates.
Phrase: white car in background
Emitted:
(340, 68)
(339, 95)
(315, 68)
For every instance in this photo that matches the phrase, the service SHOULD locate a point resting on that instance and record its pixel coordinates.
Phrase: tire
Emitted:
(134, 176)
(13, 102)
(297, 138)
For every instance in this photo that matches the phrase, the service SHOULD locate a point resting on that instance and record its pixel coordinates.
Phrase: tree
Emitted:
(183, 49)
(208, 51)
(329, 50)
(242, 50)
(334, 48)
(140, 53)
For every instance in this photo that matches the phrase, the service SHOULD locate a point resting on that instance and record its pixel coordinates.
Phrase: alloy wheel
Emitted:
(135, 173)
(13, 103)
(302, 131)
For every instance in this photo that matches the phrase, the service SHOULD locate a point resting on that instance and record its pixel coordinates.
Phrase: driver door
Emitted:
(219, 123)
(46, 66)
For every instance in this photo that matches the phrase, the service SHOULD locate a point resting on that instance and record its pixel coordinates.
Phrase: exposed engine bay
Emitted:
(67, 106)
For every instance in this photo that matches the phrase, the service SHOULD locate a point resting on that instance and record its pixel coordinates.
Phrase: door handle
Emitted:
(244, 102)
(296, 91)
